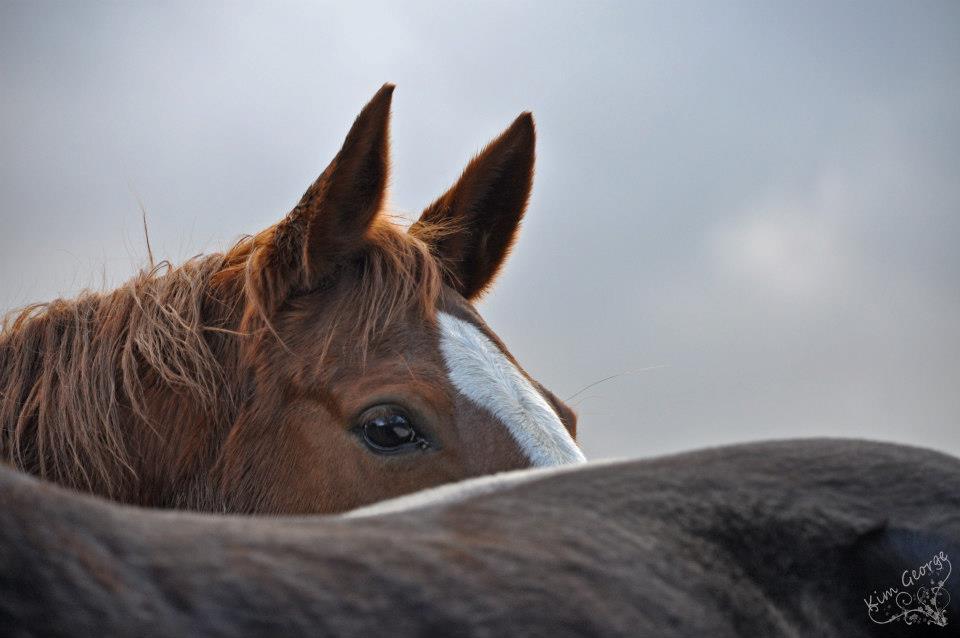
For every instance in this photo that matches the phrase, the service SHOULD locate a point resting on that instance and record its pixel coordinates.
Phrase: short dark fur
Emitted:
(767, 539)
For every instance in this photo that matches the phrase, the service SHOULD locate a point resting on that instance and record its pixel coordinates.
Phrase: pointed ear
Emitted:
(333, 216)
(472, 226)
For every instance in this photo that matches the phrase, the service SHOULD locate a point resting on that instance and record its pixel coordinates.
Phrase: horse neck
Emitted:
(126, 394)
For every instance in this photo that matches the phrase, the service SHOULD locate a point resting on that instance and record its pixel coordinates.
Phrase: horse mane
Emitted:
(72, 372)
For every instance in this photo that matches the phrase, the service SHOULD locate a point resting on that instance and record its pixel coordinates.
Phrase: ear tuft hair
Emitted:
(332, 219)
(472, 226)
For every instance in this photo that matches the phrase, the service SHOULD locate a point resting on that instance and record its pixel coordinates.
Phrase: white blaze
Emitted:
(481, 372)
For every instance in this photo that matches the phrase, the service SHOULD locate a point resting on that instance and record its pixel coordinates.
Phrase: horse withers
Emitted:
(330, 361)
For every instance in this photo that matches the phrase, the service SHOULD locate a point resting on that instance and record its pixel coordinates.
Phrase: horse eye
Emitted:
(390, 432)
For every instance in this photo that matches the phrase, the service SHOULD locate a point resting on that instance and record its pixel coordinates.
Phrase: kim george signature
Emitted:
(919, 597)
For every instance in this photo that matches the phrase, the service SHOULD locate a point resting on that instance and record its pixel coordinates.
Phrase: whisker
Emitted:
(611, 377)
(583, 400)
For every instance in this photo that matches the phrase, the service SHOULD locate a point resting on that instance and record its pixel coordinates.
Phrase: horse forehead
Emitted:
(480, 370)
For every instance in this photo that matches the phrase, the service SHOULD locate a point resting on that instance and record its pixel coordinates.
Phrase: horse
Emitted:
(829, 538)
(332, 360)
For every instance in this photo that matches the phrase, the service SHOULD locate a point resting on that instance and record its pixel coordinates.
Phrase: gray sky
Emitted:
(752, 207)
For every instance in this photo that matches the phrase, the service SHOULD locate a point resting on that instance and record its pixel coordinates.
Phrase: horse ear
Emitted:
(472, 226)
(333, 216)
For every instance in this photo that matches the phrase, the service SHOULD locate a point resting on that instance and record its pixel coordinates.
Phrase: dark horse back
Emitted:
(793, 538)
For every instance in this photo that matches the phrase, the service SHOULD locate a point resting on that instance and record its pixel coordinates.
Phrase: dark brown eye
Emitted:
(388, 431)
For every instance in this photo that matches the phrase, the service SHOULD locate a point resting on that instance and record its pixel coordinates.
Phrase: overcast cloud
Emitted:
(750, 208)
